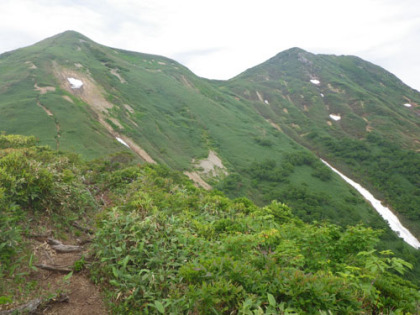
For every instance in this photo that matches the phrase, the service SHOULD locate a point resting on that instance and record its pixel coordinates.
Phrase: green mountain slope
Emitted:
(246, 136)
(160, 245)
(374, 129)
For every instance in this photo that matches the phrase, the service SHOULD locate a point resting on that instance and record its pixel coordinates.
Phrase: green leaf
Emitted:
(271, 299)
(5, 299)
(115, 272)
(125, 261)
(159, 306)
(68, 276)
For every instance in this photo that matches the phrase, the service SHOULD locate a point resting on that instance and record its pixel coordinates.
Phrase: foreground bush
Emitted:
(170, 247)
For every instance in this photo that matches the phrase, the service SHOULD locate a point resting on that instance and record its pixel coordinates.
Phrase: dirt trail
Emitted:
(81, 296)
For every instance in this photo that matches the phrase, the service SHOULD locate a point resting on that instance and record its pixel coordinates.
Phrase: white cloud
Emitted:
(219, 39)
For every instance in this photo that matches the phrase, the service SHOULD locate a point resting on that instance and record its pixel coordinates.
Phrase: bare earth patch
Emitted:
(276, 126)
(92, 94)
(68, 99)
(211, 166)
(129, 108)
(137, 149)
(49, 113)
(115, 72)
(196, 178)
(59, 292)
(31, 65)
(260, 96)
(336, 90)
(44, 89)
(369, 127)
(187, 83)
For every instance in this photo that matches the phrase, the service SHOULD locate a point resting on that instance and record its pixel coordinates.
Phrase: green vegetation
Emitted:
(268, 126)
(375, 142)
(164, 246)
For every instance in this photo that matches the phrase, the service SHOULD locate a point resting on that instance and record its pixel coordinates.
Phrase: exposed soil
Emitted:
(211, 165)
(49, 113)
(115, 72)
(187, 83)
(93, 95)
(336, 90)
(31, 65)
(129, 108)
(259, 96)
(61, 292)
(83, 296)
(137, 149)
(68, 99)
(196, 178)
(276, 126)
(44, 89)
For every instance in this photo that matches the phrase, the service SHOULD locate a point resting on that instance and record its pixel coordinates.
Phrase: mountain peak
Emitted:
(70, 34)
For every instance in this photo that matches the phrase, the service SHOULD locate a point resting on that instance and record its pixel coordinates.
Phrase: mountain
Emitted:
(350, 112)
(161, 243)
(259, 134)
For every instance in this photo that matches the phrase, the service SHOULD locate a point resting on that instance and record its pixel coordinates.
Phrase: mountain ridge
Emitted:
(262, 124)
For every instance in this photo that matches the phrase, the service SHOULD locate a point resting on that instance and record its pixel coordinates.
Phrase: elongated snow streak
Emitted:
(122, 141)
(385, 213)
(75, 83)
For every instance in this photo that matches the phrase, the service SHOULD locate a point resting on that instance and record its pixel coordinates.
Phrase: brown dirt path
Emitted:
(84, 297)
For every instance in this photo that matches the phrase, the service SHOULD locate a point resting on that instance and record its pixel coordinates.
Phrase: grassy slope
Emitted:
(375, 129)
(161, 245)
(176, 116)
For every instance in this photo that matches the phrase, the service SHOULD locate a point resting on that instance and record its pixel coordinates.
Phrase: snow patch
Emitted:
(335, 117)
(314, 81)
(75, 83)
(407, 105)
(122, 141)
(385, 212)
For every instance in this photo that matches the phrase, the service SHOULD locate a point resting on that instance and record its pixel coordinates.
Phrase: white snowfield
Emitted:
(75, 83)
(335, 117)
(122, 141)
(393, 222)
(314, 81)
(407, 105)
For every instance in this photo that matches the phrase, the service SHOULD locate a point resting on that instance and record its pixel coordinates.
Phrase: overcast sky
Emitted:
(218, 39)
